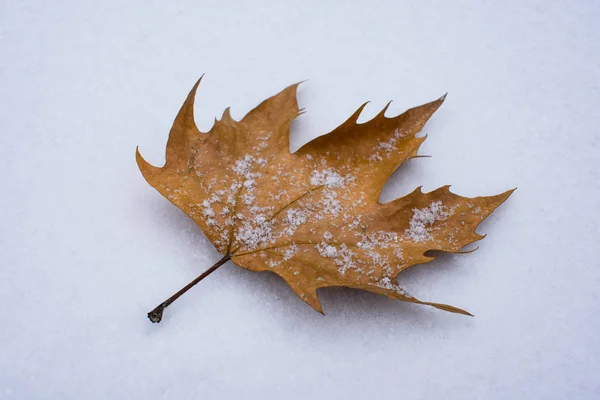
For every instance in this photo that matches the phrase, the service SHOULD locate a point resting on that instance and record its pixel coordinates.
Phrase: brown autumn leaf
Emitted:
(312, 217)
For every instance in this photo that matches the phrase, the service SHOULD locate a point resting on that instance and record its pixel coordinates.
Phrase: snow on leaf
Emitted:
(313, 216)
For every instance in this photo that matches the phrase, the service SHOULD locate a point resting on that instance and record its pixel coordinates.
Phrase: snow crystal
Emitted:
(378, 260)
(242, 166)
(327, 250)
(208, 212)
(264, 140)
(329, 204)
(344, 259)
(260, 219)
(386, 283)
(388, 147)
(290, 252)
(380, 239)
(254, 235)
(248, 198)
(356, 221)
(328, 177)
(342, 255)
(296, 217)
(423, 219)
(399, 253)
(231, 199)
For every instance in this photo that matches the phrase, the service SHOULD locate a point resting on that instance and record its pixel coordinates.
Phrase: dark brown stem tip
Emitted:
(156, 315)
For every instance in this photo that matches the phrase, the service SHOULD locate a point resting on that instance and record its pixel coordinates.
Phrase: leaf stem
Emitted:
(156, 314)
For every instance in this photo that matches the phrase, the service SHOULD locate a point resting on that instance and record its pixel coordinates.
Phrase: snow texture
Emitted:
(420, 224)
(88, 247)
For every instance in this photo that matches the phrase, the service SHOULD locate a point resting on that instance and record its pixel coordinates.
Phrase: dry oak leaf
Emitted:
(312, 217)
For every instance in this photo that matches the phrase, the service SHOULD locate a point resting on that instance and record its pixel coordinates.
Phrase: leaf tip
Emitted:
(227, 115)
(468, 251)
(354, 117)
(195, 87)
(455, 310)
(382, 112)
(310, 297)
(138, 157)
(504, 196)
(145, 167)
(294, 86)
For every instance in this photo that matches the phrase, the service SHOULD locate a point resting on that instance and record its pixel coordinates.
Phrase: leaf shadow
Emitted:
(355, 312)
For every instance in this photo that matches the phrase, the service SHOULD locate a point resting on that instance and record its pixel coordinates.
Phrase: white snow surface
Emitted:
(88, 247)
